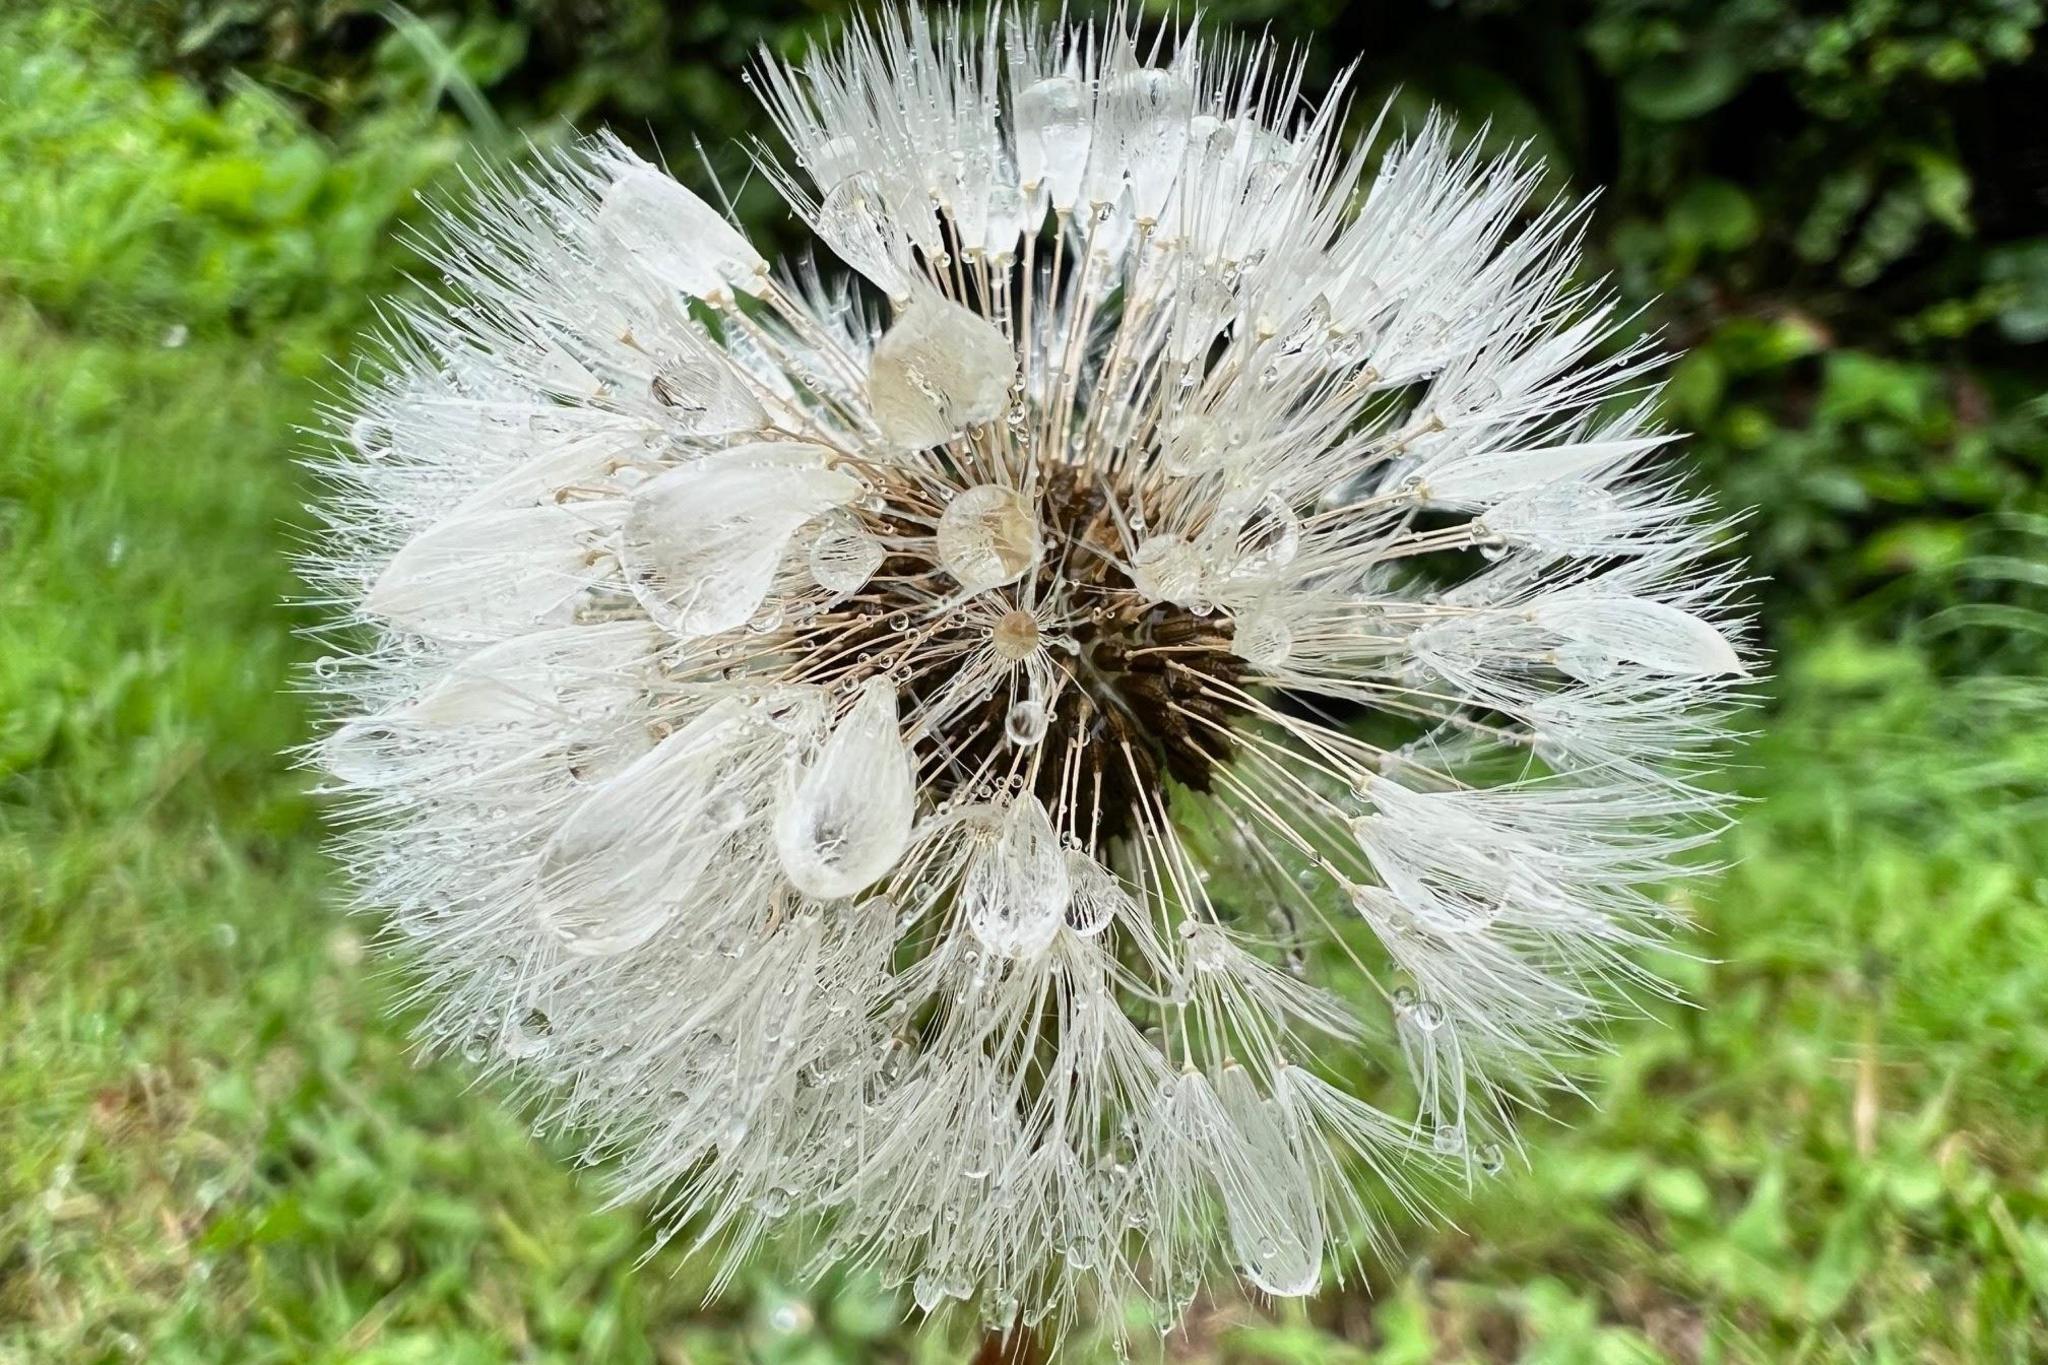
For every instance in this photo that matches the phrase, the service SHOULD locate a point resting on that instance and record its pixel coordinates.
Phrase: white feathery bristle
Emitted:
(924, 757)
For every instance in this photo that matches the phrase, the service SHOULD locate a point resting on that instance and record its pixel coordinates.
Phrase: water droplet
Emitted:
(1026, 723)
(730, 812)
(849, 818)
(1193, 443)
(370, 437)
(530, 1035)
(844, 557)
(1208, 949)
(1015, 637)
(1098, 897)
(676, 236)
(702, 543)
(1602, 630)
(988, 536)
(1475, 394)
(1167, 569)
(1584, 660)
(1016, 891)
(939, 370)
(635, 844)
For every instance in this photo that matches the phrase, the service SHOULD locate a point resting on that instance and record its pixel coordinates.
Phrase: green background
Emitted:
(216, 1142)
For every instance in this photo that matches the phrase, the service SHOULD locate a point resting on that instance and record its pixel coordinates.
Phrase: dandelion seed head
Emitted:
(933, 758)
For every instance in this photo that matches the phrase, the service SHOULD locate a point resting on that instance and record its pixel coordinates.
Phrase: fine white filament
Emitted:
(902, 758)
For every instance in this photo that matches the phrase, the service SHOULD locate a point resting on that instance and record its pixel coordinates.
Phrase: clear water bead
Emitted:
(370, 437)
(701, 393)
(701, 544)
(1016, 635)
(494, 572)
(1652, 635)
(1271, 1209)
(1143, 112)
(1255, 541)
(529, 1036)
(1017, 891)
(632, 850)
(1167, 569)
(1568, 517)
(676, 236)
(1192, 444)
(1208, 950)
(1584, 660)
(1098, 897)
(1053, 131)
(1025, 724)
(988, 536)
(939, 369)
(853, 220)
(848, 819)
(843, 557)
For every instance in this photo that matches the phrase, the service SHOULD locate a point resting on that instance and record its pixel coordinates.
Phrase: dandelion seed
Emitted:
(808, 734)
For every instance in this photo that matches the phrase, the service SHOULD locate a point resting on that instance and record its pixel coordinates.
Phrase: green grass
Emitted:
(216, 1143)
(136, 205)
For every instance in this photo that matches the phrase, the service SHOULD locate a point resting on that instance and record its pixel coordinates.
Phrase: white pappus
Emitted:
(936, 762)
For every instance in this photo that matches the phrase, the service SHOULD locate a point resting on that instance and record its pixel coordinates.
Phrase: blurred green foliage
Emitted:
(134, 197)
(213, 1145)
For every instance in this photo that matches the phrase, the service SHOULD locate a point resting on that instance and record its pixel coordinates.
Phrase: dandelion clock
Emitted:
(1091, 737)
